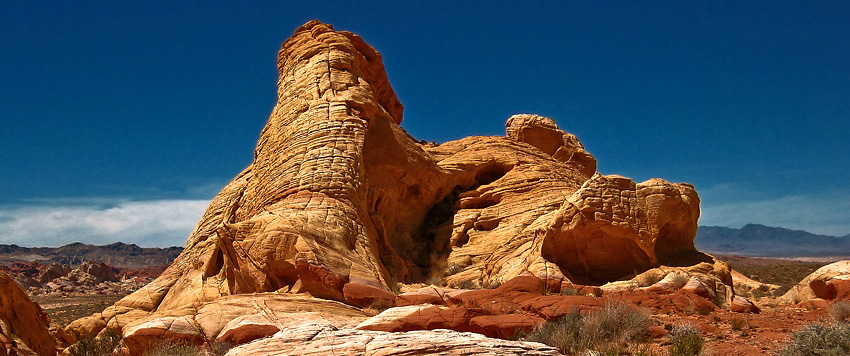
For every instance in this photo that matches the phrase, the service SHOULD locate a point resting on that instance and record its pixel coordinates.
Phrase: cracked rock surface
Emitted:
(317, 340)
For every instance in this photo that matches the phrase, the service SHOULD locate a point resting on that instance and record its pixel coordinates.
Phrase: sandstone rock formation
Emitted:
(26, 320)
(322, 340)
(342, 204)
(824, 283)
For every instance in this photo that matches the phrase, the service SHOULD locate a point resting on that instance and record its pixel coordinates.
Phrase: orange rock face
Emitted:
(26, 320)
(343, 204)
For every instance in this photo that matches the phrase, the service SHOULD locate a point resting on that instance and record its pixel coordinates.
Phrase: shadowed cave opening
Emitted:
(675, 247)
(490, 173)
(440, 216)
(431, 242)
(594, 257)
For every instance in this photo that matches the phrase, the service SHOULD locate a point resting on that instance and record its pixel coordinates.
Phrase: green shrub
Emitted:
(685, 340)
(831, 339)
(607, 330)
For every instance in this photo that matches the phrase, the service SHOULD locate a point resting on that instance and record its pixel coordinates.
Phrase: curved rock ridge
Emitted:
(342, 204)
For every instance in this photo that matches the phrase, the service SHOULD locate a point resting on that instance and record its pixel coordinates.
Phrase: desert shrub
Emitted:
(679, 280)
(104, 345)
(220, 348)
(738, 324)
(617, 322)
(437, 271)
(165, 348)
(493, 284)
(840, 311)
(465, 284)
(831, 339)
(606, 330)
(564, 333)
(685, 340)
(378, 305)
(648, 278)
(568, 291)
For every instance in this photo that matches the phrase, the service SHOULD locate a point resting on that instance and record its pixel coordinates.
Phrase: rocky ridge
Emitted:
(88, 277)
(117, 254)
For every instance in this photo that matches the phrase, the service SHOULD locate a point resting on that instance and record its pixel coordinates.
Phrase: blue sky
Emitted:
(121, 120)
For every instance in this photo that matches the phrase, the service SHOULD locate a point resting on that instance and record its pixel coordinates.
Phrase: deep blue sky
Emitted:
(112, 110)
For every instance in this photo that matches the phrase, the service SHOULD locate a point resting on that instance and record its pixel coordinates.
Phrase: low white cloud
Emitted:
(160, 223)
(825, 214)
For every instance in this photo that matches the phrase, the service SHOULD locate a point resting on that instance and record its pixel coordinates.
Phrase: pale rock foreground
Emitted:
(342, 204)
(320, 340)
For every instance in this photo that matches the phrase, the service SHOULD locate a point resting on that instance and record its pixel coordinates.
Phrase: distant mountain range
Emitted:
(765, 241)
(118, 254)
(752, 240)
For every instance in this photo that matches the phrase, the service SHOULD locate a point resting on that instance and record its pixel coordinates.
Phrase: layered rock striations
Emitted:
(343, 204)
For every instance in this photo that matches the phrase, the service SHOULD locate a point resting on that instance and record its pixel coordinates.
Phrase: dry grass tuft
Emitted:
(686, 340)
(105, 345)
(611, 329)
(840, 311)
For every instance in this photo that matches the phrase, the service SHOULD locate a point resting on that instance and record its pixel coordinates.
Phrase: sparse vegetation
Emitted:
(63, 309)
(493, 284)
(437, 271)
(738, 324)
(379, 305)
(105, 345)
(840, 311)
(615, 327)
(679, 280)
(649, 278)
(686, 340)
(465, 284)
(831, 339)
(784, 273)
(165, 348)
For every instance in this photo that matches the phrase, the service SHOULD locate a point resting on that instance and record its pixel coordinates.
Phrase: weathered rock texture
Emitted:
(26, 320)
(343, 204)
(320, 340)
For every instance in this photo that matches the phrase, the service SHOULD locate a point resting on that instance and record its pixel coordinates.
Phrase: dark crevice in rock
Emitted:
(439, 216)
(491, 172)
